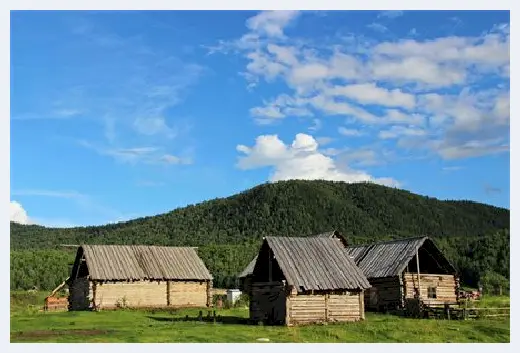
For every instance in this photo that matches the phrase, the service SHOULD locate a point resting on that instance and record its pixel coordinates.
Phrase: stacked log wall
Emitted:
(190, 294)
(386, 292)
(318, 308)
(151, 294)
(446, 287)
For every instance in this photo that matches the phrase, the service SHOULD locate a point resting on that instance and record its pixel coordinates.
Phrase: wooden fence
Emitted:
(459, 311)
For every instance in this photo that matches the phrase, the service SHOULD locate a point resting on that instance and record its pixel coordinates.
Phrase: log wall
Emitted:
(386, 292)
(189, 294)
(446, 287)
(306, 309)
(150, 294)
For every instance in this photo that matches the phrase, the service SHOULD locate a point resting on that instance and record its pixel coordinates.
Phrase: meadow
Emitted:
(28, 324)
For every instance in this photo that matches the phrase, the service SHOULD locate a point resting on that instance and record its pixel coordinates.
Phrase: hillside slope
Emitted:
(228, 231)
(365, 212)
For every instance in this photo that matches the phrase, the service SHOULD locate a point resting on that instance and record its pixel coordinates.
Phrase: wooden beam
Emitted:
(418, 273)
(270, 267)
(59, 287)
(168, 289)
(326, 307)
(362, 305)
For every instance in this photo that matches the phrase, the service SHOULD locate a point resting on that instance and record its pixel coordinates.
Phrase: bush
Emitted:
(494, 283)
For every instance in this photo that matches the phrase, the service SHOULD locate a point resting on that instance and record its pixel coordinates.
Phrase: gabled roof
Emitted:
(249, 268)
(142, 262)
(330, 234)
(390, 258)
(313, 263)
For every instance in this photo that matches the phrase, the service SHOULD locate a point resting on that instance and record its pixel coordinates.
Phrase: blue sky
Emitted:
(116, 115)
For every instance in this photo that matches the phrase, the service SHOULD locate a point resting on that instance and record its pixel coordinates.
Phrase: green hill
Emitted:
(229, 230)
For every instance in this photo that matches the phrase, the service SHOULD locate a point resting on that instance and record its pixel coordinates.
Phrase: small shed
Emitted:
(244, 278)
(305, 280)
(233, 295)
(404, 269)
(138, 276)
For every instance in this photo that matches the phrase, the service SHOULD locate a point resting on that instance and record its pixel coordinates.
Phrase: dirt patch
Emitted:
(51, 333)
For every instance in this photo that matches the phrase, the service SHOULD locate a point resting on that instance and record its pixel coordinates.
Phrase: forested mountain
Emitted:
(229, 230)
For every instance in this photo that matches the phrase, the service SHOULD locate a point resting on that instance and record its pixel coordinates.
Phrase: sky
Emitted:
(117, 115)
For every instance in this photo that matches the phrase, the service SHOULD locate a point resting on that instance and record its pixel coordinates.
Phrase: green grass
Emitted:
(29, 325)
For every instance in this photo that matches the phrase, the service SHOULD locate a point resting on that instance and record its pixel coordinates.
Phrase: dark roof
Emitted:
(388, 258)
(141, 262)
(313, 263)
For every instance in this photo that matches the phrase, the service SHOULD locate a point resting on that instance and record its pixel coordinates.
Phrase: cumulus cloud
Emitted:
(18, 213)
(429, 90)
(299, 160)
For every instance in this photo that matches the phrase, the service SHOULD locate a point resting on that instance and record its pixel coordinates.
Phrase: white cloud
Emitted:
(267, 112)
(370, 93)
(378, 27)
(154, 126)
(349, 132)
(18, 214)
(427, 90)
(135, 155)
(398, 131)
(271, 23)
(489, 49)
(300, 160)
(418, 70)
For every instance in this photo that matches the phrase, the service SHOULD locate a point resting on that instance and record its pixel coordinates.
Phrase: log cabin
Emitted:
(244, 278)
(305, 280)
(138, 276)
(405, 269)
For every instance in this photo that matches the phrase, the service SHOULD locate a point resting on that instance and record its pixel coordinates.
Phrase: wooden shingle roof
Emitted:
(387, 259)
(142, 262)
(251, 266)
(314, 263)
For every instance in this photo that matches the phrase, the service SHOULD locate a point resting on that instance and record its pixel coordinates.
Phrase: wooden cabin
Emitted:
(405, 269)
(138, 276)
(244, 278)
(305, 280)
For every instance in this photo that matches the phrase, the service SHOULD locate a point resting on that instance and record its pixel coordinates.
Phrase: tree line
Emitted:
(228, 231)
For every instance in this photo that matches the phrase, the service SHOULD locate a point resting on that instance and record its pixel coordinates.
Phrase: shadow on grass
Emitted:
(226, 320)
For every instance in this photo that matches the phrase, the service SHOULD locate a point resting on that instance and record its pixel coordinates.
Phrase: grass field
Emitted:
(30, 325)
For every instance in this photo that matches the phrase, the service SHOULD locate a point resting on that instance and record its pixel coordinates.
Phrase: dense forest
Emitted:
(228, 231)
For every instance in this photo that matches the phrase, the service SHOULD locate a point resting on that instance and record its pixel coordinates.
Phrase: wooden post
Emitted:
(94, 287)
(465, 310)
(168, 289)
(418, 273)
(362, 305)
(326, 307)
(209, 286)
(270, 267)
